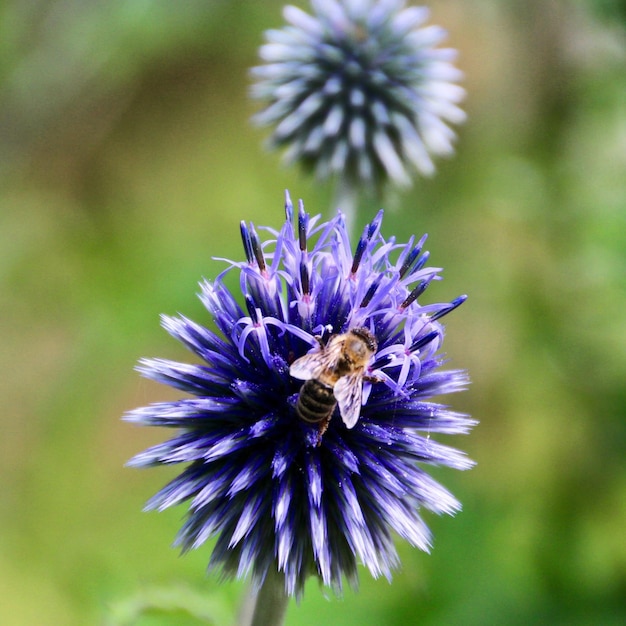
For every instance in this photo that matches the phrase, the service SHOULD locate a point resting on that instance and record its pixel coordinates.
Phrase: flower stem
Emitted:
(270, 604)
(346, 198)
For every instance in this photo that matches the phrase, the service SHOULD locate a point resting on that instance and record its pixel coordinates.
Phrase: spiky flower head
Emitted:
(276, 492)
(359, 90)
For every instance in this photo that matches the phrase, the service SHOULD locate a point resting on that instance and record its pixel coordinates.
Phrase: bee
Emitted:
(333, 376)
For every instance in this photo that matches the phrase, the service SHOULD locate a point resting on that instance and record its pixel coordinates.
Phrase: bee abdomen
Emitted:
(316, 401)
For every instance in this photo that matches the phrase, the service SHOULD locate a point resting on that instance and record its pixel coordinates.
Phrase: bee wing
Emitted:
(316, 364)
(309, 366)
(348, 392)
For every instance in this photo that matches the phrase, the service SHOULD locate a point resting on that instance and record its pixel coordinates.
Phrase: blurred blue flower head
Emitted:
(282, 492)
(359, 90)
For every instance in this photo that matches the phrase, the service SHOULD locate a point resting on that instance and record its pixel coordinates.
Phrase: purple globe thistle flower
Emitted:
(359, 90)
(279, 492)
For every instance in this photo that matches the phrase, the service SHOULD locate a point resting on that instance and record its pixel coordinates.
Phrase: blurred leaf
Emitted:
(169, 605)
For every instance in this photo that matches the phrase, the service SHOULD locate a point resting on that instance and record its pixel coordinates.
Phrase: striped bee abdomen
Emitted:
(316, 401)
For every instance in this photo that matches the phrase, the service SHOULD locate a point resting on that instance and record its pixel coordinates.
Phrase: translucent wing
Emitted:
(320, 363)
(348, 392)
(310, 365)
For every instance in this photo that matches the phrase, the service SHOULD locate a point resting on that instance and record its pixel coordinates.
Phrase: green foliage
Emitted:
(169, 605)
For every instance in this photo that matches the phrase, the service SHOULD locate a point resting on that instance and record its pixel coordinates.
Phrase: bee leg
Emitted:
(323, 428)
(372, 379)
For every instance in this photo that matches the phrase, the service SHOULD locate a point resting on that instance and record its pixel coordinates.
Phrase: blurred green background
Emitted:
(127, 161)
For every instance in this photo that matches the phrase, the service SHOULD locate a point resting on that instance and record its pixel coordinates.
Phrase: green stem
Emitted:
(346, 199)
(270, 604)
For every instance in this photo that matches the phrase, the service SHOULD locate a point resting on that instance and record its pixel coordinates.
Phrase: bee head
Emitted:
(366, 337)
